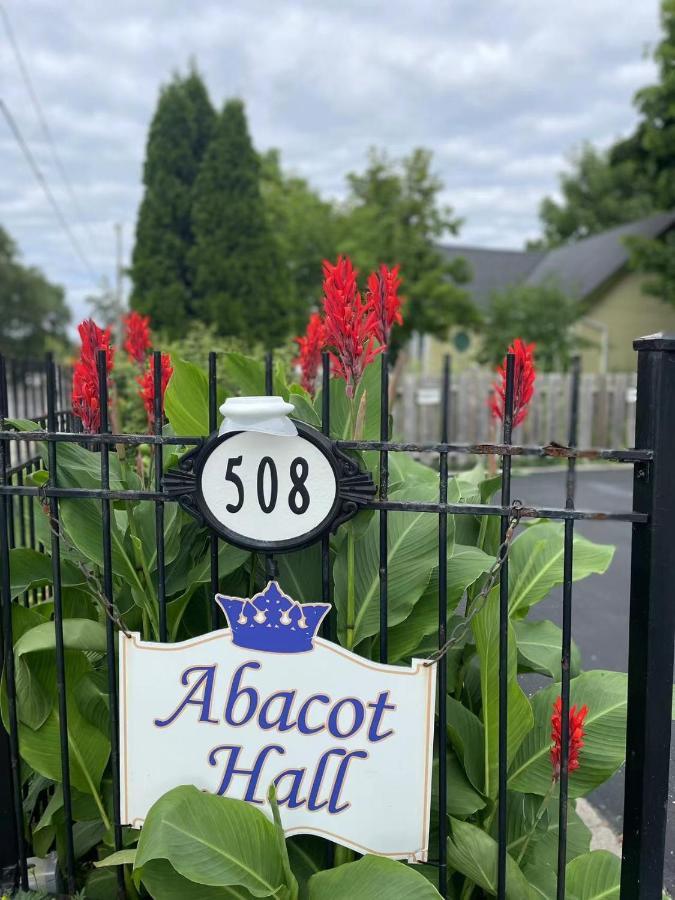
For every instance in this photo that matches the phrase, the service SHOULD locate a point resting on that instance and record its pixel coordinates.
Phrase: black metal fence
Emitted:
(652, 612)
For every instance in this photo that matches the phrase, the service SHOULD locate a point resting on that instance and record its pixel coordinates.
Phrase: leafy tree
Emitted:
(305, 226)
(542, 313)
(393, 215)
(179, 134)
(240, 282)
(598, 193)
(650, 151)
(634, 178)
(33, 312)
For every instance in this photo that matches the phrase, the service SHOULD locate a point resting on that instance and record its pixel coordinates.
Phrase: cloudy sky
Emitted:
(500, 90)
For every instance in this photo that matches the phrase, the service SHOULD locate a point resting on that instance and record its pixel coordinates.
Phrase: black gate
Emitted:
(652, 610)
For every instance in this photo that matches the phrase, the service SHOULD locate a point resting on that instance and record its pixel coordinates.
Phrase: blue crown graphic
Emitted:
(272, 621)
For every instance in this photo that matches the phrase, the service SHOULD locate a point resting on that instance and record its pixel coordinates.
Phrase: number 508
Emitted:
(298, 497)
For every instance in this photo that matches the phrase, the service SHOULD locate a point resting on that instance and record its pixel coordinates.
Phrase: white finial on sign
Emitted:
(268, 415)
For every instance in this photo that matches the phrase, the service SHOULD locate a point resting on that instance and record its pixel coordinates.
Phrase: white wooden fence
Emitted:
(606, 409)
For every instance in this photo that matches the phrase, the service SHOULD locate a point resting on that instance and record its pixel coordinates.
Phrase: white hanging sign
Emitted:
(348, 743)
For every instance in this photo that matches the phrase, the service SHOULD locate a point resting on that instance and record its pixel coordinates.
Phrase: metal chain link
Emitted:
(462, 627)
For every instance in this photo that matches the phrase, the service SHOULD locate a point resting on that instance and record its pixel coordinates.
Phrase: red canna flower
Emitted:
(523, 383)
(137, 336)
(348, 333)
(85, 396)
(147, 385)
(310, 346)
(576, 737)
(383, 302)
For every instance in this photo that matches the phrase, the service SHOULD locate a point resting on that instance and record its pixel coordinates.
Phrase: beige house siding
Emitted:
(627, 313)
(620, 306)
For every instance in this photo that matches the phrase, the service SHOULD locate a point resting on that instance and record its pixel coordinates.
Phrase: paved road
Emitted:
(600, 605)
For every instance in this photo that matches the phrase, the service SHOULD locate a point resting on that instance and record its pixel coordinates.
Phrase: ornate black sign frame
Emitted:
(355, 488)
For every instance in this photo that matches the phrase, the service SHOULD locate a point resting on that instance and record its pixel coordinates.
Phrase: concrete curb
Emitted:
(603, 836)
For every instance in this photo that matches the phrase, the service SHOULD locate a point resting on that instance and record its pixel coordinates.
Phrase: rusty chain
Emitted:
(462, 627)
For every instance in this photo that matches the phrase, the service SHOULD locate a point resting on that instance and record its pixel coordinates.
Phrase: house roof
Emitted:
(580, 268)
(492, 269)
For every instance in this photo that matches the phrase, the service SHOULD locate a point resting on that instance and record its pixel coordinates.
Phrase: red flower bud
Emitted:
(523, 383)
(576, 737)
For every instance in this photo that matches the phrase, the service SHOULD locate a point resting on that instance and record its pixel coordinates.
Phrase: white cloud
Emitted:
(500, 91)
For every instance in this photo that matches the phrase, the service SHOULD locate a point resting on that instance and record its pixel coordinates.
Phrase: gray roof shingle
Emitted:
(580, 268)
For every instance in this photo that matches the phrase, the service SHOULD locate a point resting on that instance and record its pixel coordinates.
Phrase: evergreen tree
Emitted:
(179, 134)
(241, 284)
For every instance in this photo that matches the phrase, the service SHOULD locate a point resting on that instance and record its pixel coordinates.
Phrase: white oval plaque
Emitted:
(262, 489)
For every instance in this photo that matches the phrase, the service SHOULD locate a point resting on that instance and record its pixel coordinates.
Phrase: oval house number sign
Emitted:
(267, 483)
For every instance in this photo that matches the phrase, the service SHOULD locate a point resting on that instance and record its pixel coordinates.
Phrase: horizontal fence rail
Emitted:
(442, 436)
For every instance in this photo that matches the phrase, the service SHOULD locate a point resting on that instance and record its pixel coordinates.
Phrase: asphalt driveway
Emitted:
(600, 604)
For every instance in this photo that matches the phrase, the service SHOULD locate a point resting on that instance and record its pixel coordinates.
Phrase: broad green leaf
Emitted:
(594, 876)
(212, 840)
(343, 412)
(405, 471)
(34, 702)
(463, 799)
(536, 563)
(163, 883)
(300, 574)
(467, 736)
(474, 853)
(371, 878)
(88, 746)
(145, 520)
(413, 551)
(540, 648)
(308, 855)
(229, 559)
(246, 376)
(465, 565)
(604, 740)
(520, 720)
(83, 523)
(30, 569)
(120, 858)
(540, 861)
(304, 411)
(187, 399)
(526, 823)
(80, 467)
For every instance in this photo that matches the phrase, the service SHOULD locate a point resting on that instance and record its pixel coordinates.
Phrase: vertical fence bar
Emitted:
(158, 417)
(213, 424)
(58, 627)
(384, 490)
(270, 562)
(573, 428)
(101, 362)
(12, 797)
(568, 552)
(504, 634)
(442, 636)
(326, 581)
(652, 626)
(568, 567)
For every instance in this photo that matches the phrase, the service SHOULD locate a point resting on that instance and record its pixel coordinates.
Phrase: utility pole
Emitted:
(119, 284)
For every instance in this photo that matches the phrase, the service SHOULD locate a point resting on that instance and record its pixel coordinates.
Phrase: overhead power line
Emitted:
(30, 159)
(37, 106)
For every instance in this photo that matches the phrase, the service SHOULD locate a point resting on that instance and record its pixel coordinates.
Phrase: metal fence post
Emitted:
(652, 625)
